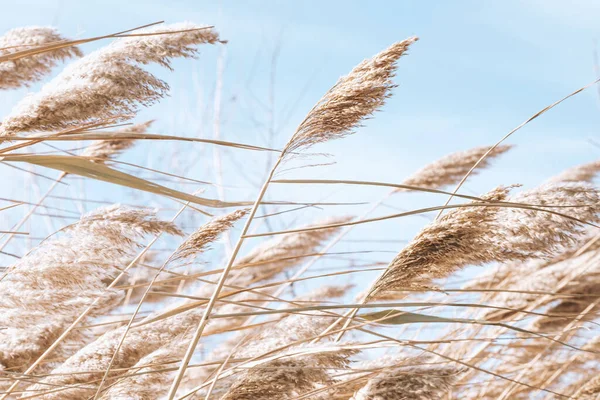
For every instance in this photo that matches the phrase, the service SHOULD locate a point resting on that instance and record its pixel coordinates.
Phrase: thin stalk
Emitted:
(135, 313)
(509, 134)
(211, 303)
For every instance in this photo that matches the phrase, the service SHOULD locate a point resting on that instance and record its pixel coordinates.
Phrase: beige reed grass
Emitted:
(411, 382)
(483, 234)
(63, 276)
(108, 83)
(365, 89)
(124, 347)
(449, 169)
(27, 70)
(527, 329)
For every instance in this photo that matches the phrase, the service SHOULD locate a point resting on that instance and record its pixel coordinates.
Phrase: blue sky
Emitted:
(479, 69)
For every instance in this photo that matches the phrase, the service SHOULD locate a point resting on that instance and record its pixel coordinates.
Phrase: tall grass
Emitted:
(125, 302)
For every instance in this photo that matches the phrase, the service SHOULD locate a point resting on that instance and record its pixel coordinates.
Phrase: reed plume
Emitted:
(579, 173)
(581, 272)
(289, 375)
(504, 274)
(510, 273)
(286, 251)
(274, 256)
(578, 296)
(531, 233)
(31, 68)
(195, 244)
(293, 329)
(147, 380)
(408, 382)
(154, 382)
(198, 241)
(454, 241)
(353, 98)
(483, 234)
(104, 150)
(49, 287)
(451, 168)
(108, 83)
(590, 390)
(139, 342)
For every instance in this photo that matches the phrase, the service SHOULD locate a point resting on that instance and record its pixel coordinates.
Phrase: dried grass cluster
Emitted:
(94, 311)
(24, 71)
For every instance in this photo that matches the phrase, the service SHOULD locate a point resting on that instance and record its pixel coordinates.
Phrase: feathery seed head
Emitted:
(354, 97)
(286, 251)
(455, 240)
(290, 376)
(31, 68)
(207, 234)
(103, 150)
(453, 167)
(478, 235)
(108, 83)
(119, 221)
(47, 289)
(578, 173)
(409, 383)
(531, 233)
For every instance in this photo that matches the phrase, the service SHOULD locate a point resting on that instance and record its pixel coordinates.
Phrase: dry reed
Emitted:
(354, 97)
(138, 343)
(64, 275)
(450, 169)
(408, 383)
(482, 234)
(108, 83)
(27, 70)
(103, 150)
(544, 241)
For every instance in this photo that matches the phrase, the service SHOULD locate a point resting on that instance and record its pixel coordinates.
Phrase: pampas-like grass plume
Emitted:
(582, 272)
(288, 377)
(511, 273)
(48, 288)
(590, 390)
(286, 251)
(104, 150)
(455, 240)
(153, 382)
(578, 173)
(408, 383)
(208, 233)
(531, 233)
(450, 169)
(290, 330)
(138, 343)
(26, 70)
(579, 294)
(483, 234)
(123, 223)
(107, 83)
(354, 97)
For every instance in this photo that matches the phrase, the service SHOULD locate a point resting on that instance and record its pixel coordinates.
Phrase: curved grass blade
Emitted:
(86, 168)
